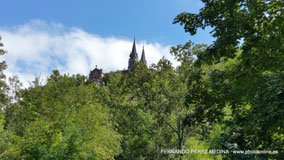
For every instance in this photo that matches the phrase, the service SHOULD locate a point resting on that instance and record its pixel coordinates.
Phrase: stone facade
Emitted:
(96, 75)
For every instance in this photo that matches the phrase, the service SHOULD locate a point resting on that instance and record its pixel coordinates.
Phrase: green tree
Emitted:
(249, 39)
(8, 140)
(63, 119)
(200, 101)
(160, 93)
(134, 121)
(3, 85)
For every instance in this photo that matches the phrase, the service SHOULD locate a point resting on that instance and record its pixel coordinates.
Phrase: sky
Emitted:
(73, 36)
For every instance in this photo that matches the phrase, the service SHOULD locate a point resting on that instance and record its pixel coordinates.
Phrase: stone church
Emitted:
(97, 74)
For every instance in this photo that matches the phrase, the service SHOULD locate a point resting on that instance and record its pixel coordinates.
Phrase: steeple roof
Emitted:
(133, 53)
(143, 58)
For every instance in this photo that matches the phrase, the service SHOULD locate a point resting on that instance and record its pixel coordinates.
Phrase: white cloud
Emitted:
(36, 48)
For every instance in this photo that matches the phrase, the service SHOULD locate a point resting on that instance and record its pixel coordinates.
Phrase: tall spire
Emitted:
(143, 58)
(133, 56)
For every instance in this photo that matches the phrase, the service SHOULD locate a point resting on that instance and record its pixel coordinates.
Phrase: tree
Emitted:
(134, 121)
(256, 23)
(3, 85)
(147, 105)
(8, 140)
(63, 119)
(249, 39)
(161, 91)
(199, 99)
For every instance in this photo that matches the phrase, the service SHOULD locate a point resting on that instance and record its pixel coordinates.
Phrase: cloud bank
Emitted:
(37, 48)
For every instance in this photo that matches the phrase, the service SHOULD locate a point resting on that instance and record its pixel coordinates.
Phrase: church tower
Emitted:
(133, 57)
(143, 58)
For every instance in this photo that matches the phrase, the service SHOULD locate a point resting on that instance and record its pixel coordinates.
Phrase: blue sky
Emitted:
(74, 36)
(149, 20)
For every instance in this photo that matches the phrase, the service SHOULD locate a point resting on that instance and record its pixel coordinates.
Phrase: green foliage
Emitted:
(8, 142)
(249, 46)
(3, 85)
(256, 23)
(197, 143)
(228, 95)
(148, 106)
(133, 120)
(62, 120)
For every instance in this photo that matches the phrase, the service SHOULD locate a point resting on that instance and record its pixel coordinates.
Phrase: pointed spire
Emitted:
(133, 53)
(133, 57)
(143, 57)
